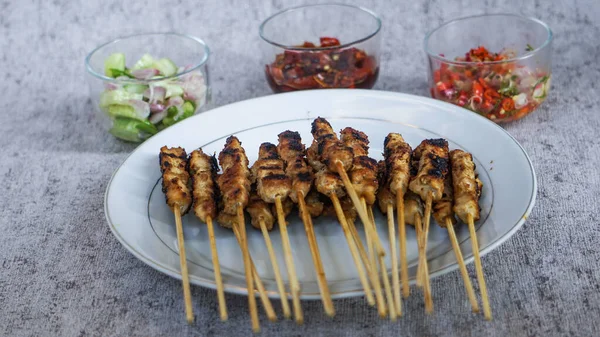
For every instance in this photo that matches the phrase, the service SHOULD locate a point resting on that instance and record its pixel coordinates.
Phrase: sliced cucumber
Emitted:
(126, 129)
(117, 110)
(166, 67)
(146, 61)
(172, 112)
(188, 110)
(147, 127)
(173, 115)
(172, 90)
(132, 130)
(115, 61)
(168, 121)
(117, 97)
(135, 88)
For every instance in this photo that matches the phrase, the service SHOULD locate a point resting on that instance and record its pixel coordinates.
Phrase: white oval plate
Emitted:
(138, 216)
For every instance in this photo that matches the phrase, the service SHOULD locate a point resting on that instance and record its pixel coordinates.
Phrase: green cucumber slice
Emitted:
(117, 110)
(147, 127)
(115, 61)
(135, 88)
(126, 129)
(172, 112)
(117, 97)
(188, 110)
(172, 90)
(166, 67)
(132, 130)
(146, 61)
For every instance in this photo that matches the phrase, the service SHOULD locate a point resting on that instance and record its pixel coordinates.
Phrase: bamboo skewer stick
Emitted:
(185, 278)
(364, 256)
(461, 266)
(419, 232)
(248, 269)
(362, 212)
(395, 279)
(289, 262)
(425, 232)
(424, 269)
(217, 266)
(427, 286)
(487, 311)
(262, 293)
(352, 245)
(386, 281)
(373, 274)
(314, 250)
(402, 239)
(280, 285)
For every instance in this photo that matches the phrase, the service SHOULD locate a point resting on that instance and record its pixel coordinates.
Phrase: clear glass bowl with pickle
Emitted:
(497, 65)
(144, 83)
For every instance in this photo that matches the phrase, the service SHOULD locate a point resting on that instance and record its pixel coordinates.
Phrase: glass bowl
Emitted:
(497, 65)
(321, 46)
(144, 83)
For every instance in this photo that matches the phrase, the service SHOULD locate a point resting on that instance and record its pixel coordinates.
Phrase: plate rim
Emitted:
(208, 283)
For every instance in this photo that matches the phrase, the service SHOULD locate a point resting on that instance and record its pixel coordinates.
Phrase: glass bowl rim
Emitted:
(511, 60)
(103, 77)
(345, 45)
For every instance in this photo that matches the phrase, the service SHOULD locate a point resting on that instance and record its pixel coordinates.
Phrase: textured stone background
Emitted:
(63, 273)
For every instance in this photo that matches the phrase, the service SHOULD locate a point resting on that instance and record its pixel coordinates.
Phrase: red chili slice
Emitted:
(329, 42)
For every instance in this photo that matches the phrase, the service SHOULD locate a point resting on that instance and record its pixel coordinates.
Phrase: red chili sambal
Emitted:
(317, 68)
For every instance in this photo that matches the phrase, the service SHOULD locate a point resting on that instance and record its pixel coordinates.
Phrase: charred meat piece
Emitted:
(203, 170)
(363, 174)
(271, 180)
(234, 183)
(413, 207)
(175, 178)
(291, 150)
(330, 149)
(442, 209)
(259, 210)
(384, 195)
(397, 155)
(314, 203)
(467, 187)
(433, 168)
(329, 183)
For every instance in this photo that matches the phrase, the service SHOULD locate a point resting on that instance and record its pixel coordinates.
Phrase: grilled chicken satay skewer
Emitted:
(234, 185)
(203, 169)
(338, 158)
(175, 185)
(363, 176)
(429, 185)
(397, 155)
(230, 221)
(273, 186)
(331, 185)
(467, 191)
(262, 218)
(444, 216)
(292, 151)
